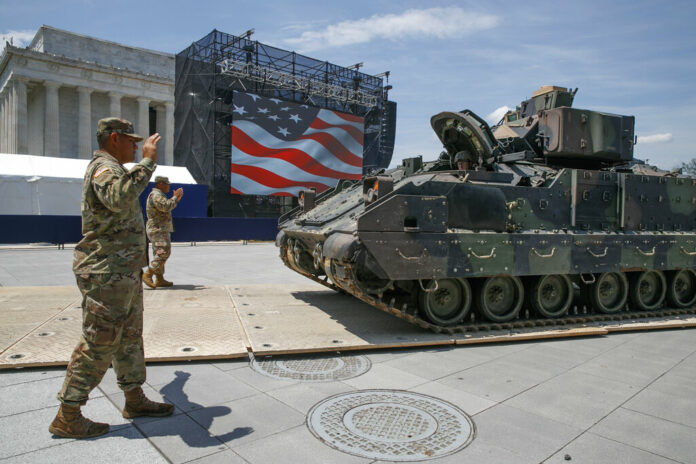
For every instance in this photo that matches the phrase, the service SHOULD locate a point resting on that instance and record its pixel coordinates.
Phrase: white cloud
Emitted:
(18, 38)
(497, 114)
(441, 23)
(655, 138)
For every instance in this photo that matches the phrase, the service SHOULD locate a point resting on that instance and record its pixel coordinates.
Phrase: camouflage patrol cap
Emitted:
(161, 179)
(117, 125)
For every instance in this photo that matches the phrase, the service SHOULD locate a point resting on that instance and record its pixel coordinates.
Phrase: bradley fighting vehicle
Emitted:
(545, 215)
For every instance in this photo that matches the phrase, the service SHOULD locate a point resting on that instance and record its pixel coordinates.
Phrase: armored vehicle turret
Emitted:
(544, 215)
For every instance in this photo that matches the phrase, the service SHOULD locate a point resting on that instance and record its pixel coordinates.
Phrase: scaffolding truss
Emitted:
(211, 69)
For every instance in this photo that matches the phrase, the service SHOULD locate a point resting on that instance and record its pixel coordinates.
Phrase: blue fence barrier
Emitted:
(67, 229)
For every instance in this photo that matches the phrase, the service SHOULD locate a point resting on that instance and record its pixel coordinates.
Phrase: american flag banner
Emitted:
(281, 148)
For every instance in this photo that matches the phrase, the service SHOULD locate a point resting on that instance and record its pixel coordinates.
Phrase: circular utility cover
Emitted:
(391, 425)
(312, 368)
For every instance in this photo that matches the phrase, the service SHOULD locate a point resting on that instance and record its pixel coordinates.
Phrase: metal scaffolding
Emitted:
(211, 69)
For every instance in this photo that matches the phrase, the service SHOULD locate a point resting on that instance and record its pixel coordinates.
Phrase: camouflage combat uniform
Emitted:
(108, 264)
(159, 227)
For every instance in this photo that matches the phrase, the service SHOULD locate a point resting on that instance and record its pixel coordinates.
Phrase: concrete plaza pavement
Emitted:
(623, 398)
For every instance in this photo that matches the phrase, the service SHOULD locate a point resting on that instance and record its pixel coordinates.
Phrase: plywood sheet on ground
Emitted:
(531, 333)
(179, 324)
(296, 319)
(23, 309)
(674, 322)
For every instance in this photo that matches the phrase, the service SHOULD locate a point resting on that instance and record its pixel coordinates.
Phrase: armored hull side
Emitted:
(488, 232)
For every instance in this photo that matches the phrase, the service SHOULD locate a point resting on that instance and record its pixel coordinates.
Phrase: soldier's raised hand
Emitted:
(150, 147)
(179, 193)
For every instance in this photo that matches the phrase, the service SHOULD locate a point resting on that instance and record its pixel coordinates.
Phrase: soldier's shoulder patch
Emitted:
(100, 171)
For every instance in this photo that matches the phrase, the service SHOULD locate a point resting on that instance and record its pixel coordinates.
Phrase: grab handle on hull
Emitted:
(598, 255)
(553, 250)
(491, 255)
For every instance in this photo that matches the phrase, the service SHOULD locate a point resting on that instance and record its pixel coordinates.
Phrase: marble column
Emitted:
(115, 104)
(161, 130)
(52, 121)
(3, 127)
(169, 134)
(84, 123)
(11, 118)
(143, 127)
(22, 127)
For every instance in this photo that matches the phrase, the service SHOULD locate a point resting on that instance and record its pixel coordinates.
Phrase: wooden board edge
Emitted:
(382, 346)
(558, 333)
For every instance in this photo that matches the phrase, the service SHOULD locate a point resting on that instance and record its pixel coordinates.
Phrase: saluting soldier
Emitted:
(108, 265)
(159, 228)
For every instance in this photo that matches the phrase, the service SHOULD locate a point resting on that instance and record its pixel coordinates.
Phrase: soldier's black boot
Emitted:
(138, 405)
(70, 423)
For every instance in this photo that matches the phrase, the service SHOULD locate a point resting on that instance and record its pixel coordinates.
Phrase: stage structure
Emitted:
(221, 77)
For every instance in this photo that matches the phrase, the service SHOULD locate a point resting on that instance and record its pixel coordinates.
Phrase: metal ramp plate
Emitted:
(23, 309)
(283, 319)
(41, 325)
(185, 323)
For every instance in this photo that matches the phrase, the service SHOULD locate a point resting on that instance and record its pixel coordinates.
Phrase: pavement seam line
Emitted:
(620, 406)
(245, 336)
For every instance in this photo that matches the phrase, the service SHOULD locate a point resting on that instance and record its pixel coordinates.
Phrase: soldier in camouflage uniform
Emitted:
(159, 228)
(108, 264)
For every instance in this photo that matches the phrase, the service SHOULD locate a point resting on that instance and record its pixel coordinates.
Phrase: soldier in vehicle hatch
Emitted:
(108, 264)
(159, 228)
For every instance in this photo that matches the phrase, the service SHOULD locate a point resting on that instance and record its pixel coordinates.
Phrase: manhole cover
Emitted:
(391, 425)
(314, 368)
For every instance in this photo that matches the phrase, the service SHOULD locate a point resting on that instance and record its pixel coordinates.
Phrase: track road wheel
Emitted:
(609, 292)
(681, 291)
(550, 295)
(445, 302)
(500, 298)
(648, 289)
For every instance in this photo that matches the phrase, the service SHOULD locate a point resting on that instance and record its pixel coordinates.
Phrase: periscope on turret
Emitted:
(526, 218)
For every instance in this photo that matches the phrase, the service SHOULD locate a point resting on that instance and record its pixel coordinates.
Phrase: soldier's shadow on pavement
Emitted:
(177, 287)
(187, 287)
(174, 393)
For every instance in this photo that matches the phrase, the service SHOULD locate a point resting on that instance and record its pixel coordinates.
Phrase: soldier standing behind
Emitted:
(108, 264)
(159, 228)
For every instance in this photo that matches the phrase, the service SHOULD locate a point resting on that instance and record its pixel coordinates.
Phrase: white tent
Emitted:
(53, 186)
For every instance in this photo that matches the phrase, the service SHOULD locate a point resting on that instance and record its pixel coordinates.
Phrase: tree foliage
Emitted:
(689, 167)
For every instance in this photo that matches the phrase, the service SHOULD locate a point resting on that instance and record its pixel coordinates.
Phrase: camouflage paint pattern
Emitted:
(108, 264)
(112, 333)
(112, 222)
(553, 193)
(159, 227)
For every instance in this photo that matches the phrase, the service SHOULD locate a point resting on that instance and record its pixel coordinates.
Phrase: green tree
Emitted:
(689, 167)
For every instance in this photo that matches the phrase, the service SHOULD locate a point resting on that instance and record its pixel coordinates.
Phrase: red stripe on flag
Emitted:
(292, 155)
(348, 117)
(272, 180)
(335, 147)
(354, 132)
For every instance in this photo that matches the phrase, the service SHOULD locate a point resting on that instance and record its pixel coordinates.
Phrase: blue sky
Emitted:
(626, 57)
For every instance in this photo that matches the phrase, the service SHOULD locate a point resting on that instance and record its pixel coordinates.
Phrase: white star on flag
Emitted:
(239, 109)
(322, 147)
